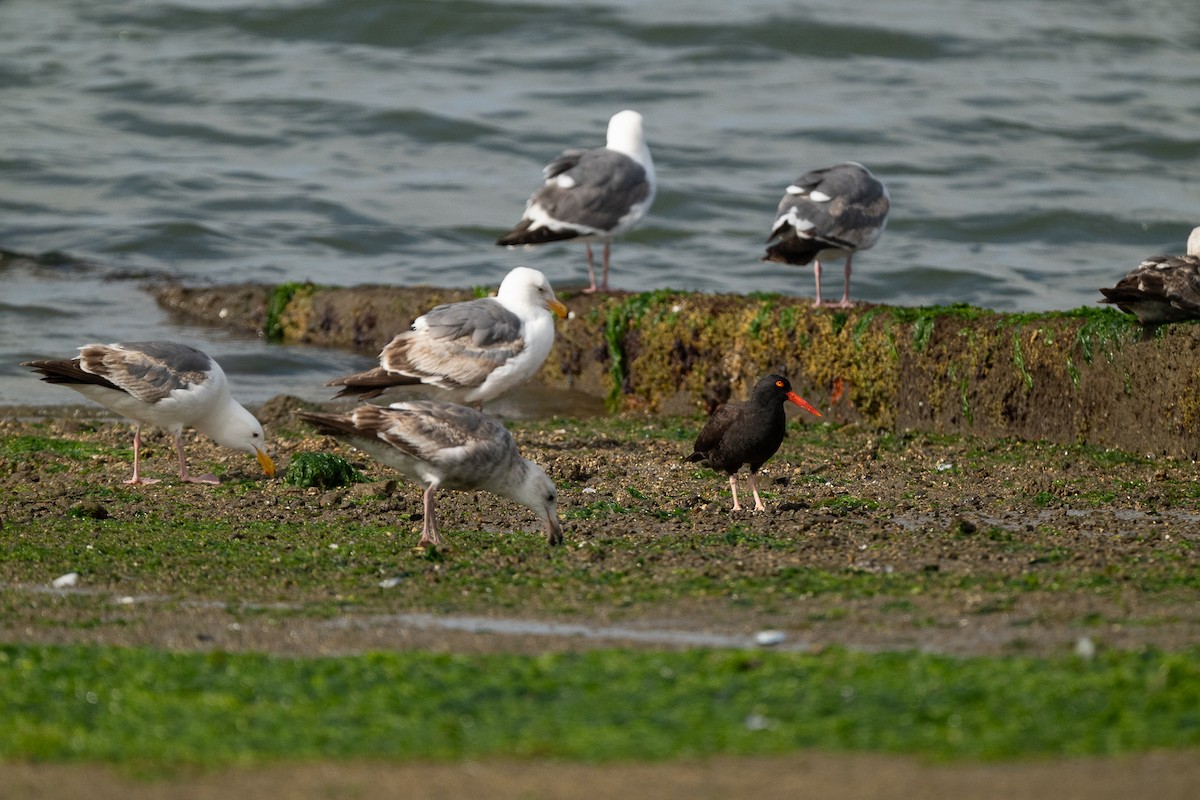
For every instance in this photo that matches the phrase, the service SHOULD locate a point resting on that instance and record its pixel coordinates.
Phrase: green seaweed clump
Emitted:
(277, 303)
(323, 470)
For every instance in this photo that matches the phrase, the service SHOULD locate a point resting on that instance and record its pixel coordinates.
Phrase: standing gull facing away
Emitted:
(592, 195)
(477, 349)
(829, 213)
(446, 446)
(747, 433)
(1161, 288)
(167, 384)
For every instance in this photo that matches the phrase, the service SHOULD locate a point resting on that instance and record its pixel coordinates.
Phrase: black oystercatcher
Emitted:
(446, 446)
(592, 195)
(1161, 288)
(477, 349)
(166, 384)
(747, 433)
(829, 213)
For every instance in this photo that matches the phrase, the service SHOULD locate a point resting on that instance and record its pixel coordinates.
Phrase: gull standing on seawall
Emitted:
(476, 349)
(446, 446)
(747, 433)
(829, 213)
(167, 384)
(592, 195)
(1161, 288)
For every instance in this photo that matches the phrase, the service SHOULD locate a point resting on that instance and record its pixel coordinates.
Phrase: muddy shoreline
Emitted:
(965, 545)
(951, 544)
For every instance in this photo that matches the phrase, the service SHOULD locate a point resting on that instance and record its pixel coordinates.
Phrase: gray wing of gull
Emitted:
(459, 345)
(1160, 289)
(149, 371)
(466, 446)
(851, 219)
(604, 186)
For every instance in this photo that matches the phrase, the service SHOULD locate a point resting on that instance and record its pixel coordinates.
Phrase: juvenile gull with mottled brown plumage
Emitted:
(446, 446)
(1162, 288)
(829, 213)
(168, 384)
(592, 195)
(476, 349)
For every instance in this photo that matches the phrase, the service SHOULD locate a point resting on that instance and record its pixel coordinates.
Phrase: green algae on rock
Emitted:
(1072, 376)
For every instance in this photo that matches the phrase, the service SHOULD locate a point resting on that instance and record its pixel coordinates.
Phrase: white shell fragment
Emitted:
(757, 722)
(769, 638)
(1085, 648)
(66, 581)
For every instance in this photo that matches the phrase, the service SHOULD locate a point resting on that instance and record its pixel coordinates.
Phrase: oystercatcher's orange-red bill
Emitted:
(800, 401)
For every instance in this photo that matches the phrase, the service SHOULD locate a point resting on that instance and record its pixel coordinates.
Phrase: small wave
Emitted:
(801, 35)
(48, 264)
(159, 128)
(414, 24)
(33, 311)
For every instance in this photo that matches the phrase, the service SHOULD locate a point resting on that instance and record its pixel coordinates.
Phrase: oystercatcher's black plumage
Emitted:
(747, 433)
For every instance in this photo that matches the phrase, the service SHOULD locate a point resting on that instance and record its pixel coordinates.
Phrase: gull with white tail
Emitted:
(829, 213)
(167, 384)
(592, 195)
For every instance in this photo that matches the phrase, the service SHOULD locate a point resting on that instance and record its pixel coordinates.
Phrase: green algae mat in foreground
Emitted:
(142, 706)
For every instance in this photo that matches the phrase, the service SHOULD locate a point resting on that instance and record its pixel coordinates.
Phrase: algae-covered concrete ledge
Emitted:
(1088, 375)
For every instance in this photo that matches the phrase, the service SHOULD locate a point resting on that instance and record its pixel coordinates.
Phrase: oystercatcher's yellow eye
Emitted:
(779, 384)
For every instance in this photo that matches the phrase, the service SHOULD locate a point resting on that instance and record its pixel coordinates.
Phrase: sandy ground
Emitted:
(835, 776)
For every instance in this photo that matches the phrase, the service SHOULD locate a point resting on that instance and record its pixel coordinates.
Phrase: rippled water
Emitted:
(1034, 149)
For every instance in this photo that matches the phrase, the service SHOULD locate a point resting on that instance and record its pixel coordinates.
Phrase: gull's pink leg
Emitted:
(817, 277)
(758, 504)
(591, 269)
(604, 280)
(137, 455)
(183, 470)
(733, 488)
(846, 291)
(429, 533)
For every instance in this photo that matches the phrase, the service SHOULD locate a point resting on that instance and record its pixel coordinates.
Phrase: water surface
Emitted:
(1034, 150)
